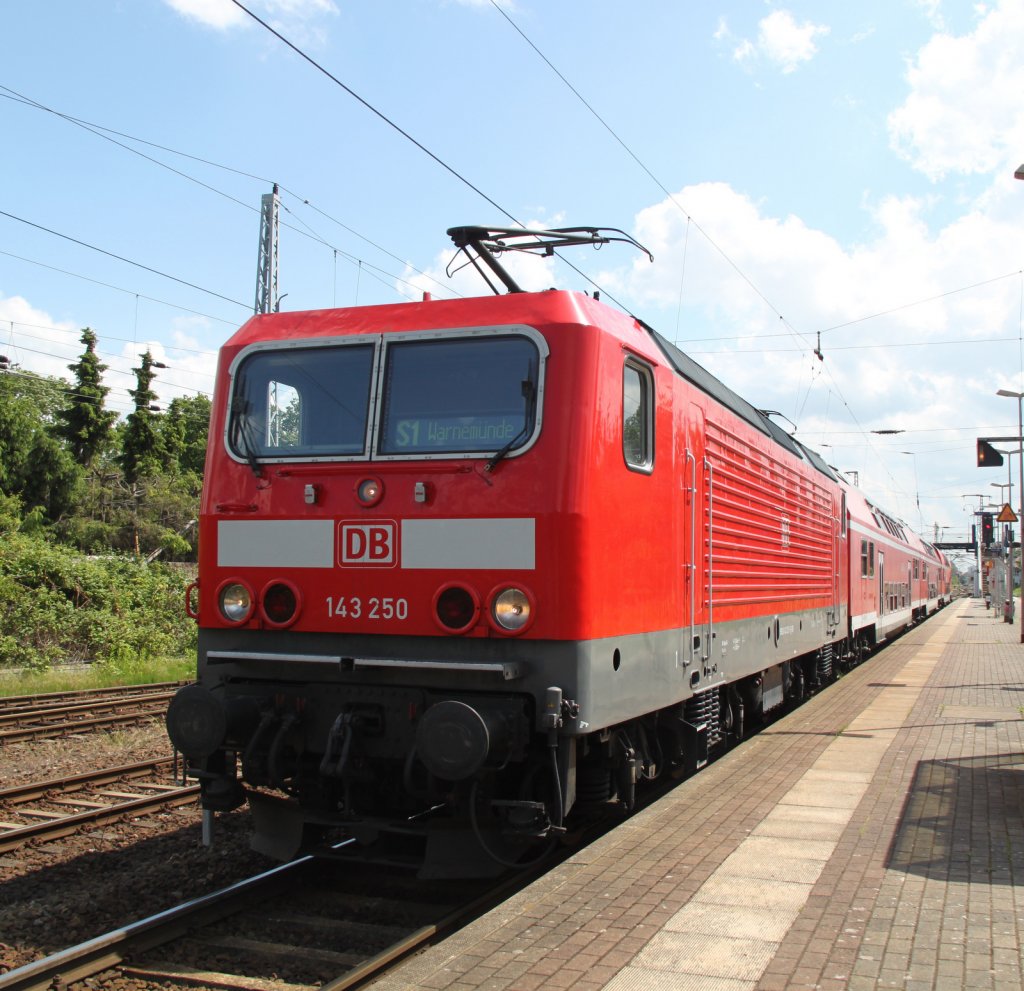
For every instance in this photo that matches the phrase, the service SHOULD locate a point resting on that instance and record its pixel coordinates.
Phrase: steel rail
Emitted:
(10, 839)
(18, 715)
(12, 701)
(358, 973)
(425, 934)
(108, 950)
(17, 794)
(73, 726)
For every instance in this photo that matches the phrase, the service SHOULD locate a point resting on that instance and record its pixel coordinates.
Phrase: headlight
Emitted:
(235, 601)
(370, 491)
(511, 609)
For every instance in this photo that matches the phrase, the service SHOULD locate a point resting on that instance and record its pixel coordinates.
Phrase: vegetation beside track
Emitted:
(59, 606)
(91, 509)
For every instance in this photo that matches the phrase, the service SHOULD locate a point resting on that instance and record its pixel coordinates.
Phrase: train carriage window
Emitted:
(637, 416)
(301, 402)
(459, 396)
(867, 558)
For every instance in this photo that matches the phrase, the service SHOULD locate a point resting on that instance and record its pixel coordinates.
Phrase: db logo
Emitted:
(368, 545)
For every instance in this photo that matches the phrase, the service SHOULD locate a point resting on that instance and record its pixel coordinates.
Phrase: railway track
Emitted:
(46, 810)
(313, 923)
(26, 717)
(269, 933)
(12, 702)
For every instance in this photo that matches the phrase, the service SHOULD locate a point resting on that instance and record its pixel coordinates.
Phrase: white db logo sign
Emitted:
(367, 545)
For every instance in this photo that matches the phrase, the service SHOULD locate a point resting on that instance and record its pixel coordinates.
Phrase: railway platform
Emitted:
(874, 838)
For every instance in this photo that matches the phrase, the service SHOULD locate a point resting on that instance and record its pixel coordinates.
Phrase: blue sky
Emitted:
(796, 168)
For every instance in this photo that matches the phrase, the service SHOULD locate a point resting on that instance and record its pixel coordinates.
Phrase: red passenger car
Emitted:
(895, 577)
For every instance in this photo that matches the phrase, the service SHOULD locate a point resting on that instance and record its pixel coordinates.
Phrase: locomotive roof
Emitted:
(706, 382)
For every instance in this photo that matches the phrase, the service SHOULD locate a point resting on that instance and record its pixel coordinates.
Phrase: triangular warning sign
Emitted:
(1006, 515)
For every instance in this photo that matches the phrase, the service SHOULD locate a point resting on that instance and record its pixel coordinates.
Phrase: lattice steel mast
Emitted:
(267, 300)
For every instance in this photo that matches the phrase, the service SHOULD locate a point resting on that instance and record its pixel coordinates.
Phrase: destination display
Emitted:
(461, 433)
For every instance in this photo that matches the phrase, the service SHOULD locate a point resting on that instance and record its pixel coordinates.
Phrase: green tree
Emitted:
(167, 518)
(84, 423)
(142, 452)
(34, 466)
(183, 430)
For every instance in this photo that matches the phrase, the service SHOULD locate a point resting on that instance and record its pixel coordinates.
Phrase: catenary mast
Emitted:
(267, 300)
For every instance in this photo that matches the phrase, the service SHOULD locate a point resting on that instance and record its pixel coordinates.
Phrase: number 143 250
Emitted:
(372, 608)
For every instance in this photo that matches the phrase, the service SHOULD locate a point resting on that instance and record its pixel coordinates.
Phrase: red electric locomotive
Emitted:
(469, 568)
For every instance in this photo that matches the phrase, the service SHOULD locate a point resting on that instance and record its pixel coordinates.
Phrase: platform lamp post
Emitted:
(975, 514)
(1019, 396)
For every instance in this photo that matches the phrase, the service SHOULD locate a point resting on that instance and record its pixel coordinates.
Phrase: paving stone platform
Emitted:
(872, 839)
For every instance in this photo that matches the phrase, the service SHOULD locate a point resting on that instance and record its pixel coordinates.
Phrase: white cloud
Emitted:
(283, 14)
(781, 41)
(932, 10)
(219, 14)
(508, 5)
(964, 113)
(36, 342)
(750, 303)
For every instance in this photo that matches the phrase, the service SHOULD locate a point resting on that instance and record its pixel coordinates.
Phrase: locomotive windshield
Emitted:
(471, 394)
(302, 401)
(459, 396)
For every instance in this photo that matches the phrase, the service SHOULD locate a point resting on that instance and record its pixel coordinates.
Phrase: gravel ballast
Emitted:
(62, 892)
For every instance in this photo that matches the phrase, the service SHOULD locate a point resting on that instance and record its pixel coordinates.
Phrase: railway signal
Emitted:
(988, 456)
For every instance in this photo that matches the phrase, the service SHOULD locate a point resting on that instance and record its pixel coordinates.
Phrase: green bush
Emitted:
(58, 605)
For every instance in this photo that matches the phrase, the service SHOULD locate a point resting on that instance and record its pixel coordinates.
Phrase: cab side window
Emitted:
(637, 416)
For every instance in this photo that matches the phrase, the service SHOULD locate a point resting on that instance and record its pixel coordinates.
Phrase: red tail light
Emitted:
(456, 608)
(279, 603)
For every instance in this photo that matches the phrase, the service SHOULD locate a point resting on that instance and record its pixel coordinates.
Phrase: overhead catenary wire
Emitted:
(729, 261)
(204, 352)
(857, 347)
(448, 168)
(104, 132)
(121, 258)
(815, 371)
(115, 371)
(113, 355)
(636, 158)
(921, 302)
(109, 285)
(688, 223)
(117, 399)
(369, 106)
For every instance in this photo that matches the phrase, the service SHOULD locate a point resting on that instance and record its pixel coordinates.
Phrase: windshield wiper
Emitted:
(240, 428)
(530, 395)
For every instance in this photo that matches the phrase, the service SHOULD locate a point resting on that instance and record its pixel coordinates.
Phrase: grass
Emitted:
(80, 677)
